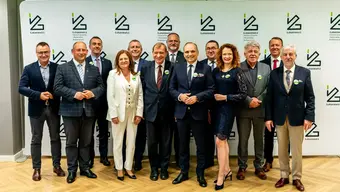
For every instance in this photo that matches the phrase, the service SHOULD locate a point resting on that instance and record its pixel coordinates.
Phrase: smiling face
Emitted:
(135, 48)
(288, 56)
(252, 54)
(227, 56)
(43, 54)
(96, 47)
(159, 54)
(275, 46)
(79, 52)
(190, 53)
(123, 62)
(173, 43)
(210, 50)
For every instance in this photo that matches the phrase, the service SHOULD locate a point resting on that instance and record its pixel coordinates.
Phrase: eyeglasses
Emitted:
(43, 52)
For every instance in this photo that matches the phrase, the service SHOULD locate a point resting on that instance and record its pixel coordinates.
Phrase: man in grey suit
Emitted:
(251, 111)
(78, 83)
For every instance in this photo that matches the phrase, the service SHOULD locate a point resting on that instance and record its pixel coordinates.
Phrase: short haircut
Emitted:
(252, 43)
(211, 41)
(42, 43)
(277, 38)
(190, 43)
(159, 45)
(236, 57)
(78, 42)
(135, 40)
(288, 47)
(173, 33)
(95, 37)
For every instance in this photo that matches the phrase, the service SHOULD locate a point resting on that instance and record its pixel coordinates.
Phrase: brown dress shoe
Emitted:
(241, 174)
(260, 174)
(36, 175)
(59, 171)
(282, 182)
(267, 167)
(299, 186)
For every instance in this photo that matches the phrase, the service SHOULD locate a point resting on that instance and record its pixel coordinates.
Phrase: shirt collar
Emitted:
(255, 66)
(194, 64)
(291, 69)
(77, 63)
(48, 64)
(94, 58)
(175, 53)
(156, 65)
(272, 58)
(137, 61)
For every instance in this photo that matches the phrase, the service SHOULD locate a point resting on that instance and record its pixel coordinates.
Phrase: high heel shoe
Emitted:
(219, 187)
(120, 178)
(130, 176)
(229, 174)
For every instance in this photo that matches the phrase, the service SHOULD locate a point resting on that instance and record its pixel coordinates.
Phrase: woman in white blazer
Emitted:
(125, 101)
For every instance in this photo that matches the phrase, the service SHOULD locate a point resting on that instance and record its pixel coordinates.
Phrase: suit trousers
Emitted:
(37, 127)
(293, 135)
(103, 136)
(198, 129)
(209, 145)
(244, 125)
(78, 139)
(118, 131)
(140, 143)
(269, 144)
(159, 142)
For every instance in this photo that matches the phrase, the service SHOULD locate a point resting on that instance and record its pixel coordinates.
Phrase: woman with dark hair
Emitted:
(230, 89)
(125, 101)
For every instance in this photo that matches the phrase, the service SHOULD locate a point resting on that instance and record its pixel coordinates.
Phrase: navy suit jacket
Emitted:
(298, 104)
(268, 61)
(141, 63)
(157, 101)
(67, 82)
(179, 58)
(202, 86)
(31, 85)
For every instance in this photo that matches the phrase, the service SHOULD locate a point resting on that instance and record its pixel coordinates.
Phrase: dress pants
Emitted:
(244, 125)
(209, 145)
(118, 131)
(159, 142)
(269, 144)
(37, 127)
(140, 143)
(293, 135)
(103, 134)
(78, 139)
(198, 129)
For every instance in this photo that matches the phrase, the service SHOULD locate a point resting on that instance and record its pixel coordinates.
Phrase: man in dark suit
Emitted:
(251, 112)
(136, 49)
(291, 107)
(100, 105)
(36, 83)
(211, 48)
(158, 110)
(191, 86)
(274, 61)
(175, 56)
(78, 83)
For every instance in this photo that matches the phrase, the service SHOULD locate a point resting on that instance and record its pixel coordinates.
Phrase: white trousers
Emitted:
(118, 131)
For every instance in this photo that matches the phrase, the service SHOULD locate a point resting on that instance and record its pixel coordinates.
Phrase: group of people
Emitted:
(172, 96)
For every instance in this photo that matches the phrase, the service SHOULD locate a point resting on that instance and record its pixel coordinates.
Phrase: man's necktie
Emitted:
(172, 59)
(275, 63)
(98, 65)
(212, 65)
(159, 77)
(288, 78)
(81, 72)
(189, 75)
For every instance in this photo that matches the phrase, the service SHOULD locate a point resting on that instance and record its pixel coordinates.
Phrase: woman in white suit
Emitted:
(125, 101)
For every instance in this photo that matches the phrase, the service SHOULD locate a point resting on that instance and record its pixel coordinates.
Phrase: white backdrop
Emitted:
(313, 27)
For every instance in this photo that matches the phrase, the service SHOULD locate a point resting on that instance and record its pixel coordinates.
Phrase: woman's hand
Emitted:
(115, 120)
(137, 120)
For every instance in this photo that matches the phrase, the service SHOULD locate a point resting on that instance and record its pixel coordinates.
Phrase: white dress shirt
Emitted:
(156, 70)
(272, 62)
(192, 68)
(136, 65)
(291, 75)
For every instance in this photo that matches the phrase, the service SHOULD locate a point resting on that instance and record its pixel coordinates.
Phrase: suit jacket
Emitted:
(179, 58)
(31, 85)
(256, 89)
(117, 96)
(141, 63)
(101, 103)
(157, 101)
(202, 86)
(268, 61)
(298, 104)
(68, 82)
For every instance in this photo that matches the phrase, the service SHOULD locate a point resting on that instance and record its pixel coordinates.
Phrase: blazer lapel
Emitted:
(198, 70)
(75, 71)
(296, 76)
(165, 76)
(247, 73)
(152, 76)
(280, 76)
(184, 69)
(37, 68)
(52, 71)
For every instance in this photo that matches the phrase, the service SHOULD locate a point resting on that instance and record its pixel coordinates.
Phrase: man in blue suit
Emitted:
(158, 110)
(36, 83)
(136, 49)
(78, 83)
(100, 105)
(191, 86)
(291, 107)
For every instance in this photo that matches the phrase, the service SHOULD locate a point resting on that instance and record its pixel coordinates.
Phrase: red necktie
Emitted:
(159, 77)
(275, 64)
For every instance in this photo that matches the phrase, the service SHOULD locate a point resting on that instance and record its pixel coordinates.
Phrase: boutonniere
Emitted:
(134, 78)
(195, 74)
(226, 76)
(91, 63)
(200, 75)
(259, 77)
(297, 81)
(138, 73)
(166, 72)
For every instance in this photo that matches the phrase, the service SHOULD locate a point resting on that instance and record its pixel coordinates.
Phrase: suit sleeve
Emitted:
(59, 88)
(262, 96)
(269, 99)
(112, 111)
(174, 85)
(140, 103)
(24, 83)
(99, 90)
(309, 99)
(208, 93)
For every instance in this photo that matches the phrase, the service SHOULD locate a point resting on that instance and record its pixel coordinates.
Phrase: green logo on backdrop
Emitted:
(78, 24)
(249, 23)
(163, 23)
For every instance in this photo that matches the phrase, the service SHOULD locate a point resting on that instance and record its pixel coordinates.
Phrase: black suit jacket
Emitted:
(67, 83)
(202, 86)
(268, 61)
(179, 58)
(31, 85)
(156, 101)
(298, 104)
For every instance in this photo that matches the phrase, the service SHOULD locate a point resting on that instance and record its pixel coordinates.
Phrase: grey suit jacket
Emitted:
(67, 82)
(256, 89)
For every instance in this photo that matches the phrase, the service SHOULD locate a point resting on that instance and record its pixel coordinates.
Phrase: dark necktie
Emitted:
(189, 75)
(98, 65)
(159, 77)
(212, 65)
(288, 78)
(172, 59)
(275, 64)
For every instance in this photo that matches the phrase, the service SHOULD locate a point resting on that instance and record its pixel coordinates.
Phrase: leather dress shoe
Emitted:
(71, 177)
(138, 167)
(59, 171)
(180, 178)
(202, 182)
(131, 176)
(164, 174)
(281, 182)
(36, 175)
(154, 175)
(260, 174)
(299, 186)
(241, 174)
(267, 167)
(105, 161)
(88, 173)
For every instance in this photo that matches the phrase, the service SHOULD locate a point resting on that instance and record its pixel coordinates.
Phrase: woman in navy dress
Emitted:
(230, 89)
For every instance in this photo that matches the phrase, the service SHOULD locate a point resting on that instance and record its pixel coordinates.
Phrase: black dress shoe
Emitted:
(202, 181)
(154, 175)
(105, 161)
(88, 173)
(71, 177)
(131, 176)
(164, 175)
(180, 178)
(138, 167)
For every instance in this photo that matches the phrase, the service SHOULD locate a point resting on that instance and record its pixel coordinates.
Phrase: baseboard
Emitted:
(12, 158)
